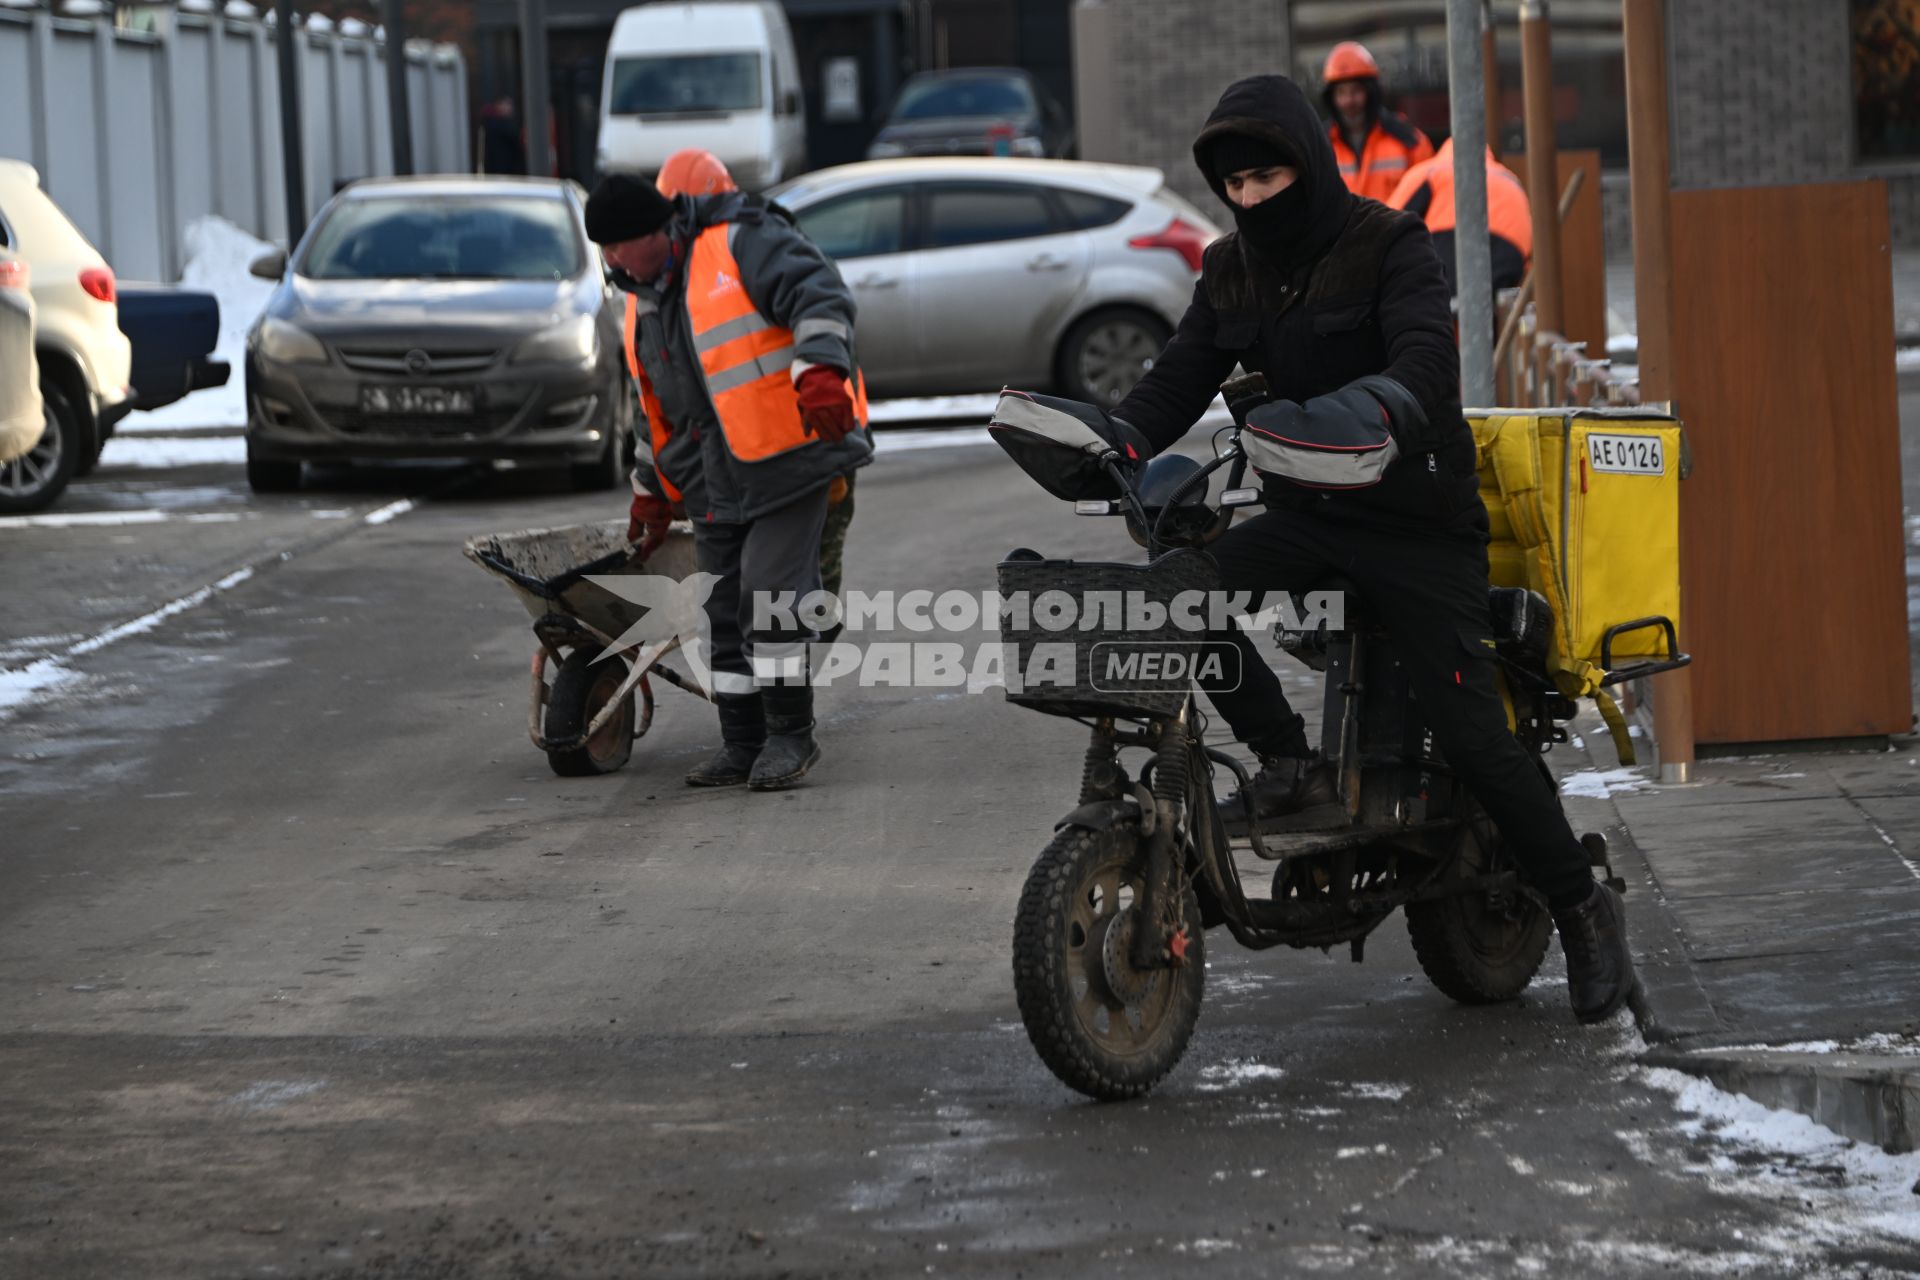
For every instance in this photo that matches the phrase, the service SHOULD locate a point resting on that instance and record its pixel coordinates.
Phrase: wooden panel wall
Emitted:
(1583, 249)
(1792, 551)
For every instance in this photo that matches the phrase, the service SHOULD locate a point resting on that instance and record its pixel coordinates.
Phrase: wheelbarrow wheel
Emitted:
(580, 689)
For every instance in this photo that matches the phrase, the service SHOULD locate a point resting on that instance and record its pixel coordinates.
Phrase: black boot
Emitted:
(1593, 934)
(743, 733)
(1286, 786)
(790, 749)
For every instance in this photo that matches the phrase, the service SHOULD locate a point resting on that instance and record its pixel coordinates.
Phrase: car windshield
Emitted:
(985, 96)
(670, 84)
(446, 238)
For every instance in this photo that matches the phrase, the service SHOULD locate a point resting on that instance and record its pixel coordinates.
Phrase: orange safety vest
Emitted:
(1382, 162)
(1509, 215)
(746, 361)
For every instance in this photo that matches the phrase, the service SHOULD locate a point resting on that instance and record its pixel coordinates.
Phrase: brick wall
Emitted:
(1162, 67)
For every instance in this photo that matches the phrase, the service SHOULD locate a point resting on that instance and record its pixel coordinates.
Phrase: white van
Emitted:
(720, 75)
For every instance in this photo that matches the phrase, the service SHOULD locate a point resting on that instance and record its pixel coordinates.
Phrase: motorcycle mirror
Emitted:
(1240, 498)
(1095, 507)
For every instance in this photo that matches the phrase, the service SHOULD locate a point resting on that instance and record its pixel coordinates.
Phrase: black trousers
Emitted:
(775, 553)
(1430, 595)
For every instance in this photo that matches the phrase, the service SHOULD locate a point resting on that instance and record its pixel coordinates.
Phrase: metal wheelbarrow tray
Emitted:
(585, 719)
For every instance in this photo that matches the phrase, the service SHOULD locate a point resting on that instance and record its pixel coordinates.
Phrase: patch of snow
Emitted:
(1380, 1092)
(1598, 784)
(78, 519)
(393, 510)
(908, 440)
(19, 687)
(218, 255)
(1350, 1153)
(929, 408)
(1906, 359)
(1880, 1042)
(1237, 1071)
(166, 452)
(267, 1094)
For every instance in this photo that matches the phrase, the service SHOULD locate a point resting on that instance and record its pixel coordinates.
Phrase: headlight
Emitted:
(572, 341)
(885, 151)
(282, 343)
(1029, 147)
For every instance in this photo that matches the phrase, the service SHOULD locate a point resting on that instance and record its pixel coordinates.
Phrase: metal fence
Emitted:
(137, 134)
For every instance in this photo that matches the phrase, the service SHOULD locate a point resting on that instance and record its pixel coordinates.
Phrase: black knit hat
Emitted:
(624, 207)
(1237, 152)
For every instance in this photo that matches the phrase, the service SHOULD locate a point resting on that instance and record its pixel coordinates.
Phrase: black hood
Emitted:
(1275, 110)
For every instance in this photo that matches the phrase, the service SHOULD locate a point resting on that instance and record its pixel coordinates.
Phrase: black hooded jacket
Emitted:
(1355, 290)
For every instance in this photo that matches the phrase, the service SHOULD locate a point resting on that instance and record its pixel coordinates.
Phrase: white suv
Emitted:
(85, 361)
(21, 418)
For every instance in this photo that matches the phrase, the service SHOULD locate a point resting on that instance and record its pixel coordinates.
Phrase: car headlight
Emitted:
(885, 151)
(283, 343)
(572, 341)
(1029, 147)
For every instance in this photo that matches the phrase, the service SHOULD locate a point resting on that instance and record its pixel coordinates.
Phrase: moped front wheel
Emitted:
(1102, 1026)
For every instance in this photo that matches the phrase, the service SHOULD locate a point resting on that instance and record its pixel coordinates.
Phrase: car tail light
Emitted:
(14, 274)
(98, 282)
(1185, 239)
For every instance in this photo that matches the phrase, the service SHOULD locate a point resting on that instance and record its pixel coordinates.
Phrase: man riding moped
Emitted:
(1342, 305)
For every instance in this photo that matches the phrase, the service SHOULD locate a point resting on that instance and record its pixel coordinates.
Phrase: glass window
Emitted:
(983, 214)
(1086, 210)
(858, 226)
(947, 97)
(1886, 80)
(451, 238)
(683, 82)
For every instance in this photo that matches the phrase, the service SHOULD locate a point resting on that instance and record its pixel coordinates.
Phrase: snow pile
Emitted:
(18, 688)
(218, 255)
(1598, 784)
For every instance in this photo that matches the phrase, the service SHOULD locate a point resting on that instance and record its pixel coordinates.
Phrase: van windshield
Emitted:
(670, 84)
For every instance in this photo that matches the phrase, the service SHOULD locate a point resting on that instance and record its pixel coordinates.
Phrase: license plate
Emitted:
(1627, 455)
(416, 401)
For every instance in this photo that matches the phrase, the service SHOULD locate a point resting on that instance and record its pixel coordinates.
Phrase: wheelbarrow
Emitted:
(587, 717)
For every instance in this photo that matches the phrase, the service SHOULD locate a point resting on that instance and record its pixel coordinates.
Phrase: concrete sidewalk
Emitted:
(1775, 901)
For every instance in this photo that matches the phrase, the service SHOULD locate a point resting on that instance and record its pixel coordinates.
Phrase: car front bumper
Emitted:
(547, 412)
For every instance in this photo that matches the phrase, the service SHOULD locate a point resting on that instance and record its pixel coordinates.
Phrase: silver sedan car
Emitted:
(974, 273)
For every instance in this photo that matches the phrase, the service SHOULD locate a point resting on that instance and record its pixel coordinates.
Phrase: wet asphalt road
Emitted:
(310, 967)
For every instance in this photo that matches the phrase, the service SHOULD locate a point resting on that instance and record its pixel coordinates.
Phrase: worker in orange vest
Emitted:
(1375, 147)
(693, 172)
(1427, 190)
(739, 333)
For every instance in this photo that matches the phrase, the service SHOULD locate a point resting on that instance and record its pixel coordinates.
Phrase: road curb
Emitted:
(1864, 1096)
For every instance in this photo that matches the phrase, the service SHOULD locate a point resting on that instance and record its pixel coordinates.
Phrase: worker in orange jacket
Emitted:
(1427, 190)
(739, 332)
(1375, 147)
(693, 172)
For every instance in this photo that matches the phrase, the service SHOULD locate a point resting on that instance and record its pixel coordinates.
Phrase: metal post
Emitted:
(399, 114)
(1473, 253)
(1543, 162)
(1490, 68)
(1645, 23)
(533, 85)
(292, 151)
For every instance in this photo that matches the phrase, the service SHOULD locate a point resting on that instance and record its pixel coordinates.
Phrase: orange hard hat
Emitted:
(694, 172)
(1350, 61)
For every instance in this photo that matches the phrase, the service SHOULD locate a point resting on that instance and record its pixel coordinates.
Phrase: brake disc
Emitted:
(1127, 984)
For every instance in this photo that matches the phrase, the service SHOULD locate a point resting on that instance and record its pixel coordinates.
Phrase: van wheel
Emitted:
(1106, 353)
(31, 482)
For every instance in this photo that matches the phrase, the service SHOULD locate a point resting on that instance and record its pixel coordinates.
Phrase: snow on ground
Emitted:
(1598, 784)
(218, 255)
(174, 451)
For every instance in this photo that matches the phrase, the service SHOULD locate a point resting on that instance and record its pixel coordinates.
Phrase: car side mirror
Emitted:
(270, 265)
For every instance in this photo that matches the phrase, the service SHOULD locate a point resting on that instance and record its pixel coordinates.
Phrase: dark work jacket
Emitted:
(1377, 303)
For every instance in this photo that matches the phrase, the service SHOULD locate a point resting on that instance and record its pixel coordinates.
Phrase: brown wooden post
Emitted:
(1645, 23)
(1543, 160)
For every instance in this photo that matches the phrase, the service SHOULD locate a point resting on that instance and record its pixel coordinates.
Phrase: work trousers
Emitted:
(771, 555)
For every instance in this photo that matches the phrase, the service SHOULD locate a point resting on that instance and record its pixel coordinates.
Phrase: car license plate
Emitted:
(1627, 455)
(417, 401)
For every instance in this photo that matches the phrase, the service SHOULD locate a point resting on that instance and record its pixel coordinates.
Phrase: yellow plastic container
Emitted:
(1584, 508)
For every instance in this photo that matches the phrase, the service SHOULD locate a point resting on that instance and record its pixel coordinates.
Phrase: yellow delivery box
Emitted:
(1584, 507)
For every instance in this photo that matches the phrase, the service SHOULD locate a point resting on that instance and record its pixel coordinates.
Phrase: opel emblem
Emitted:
(419, 363)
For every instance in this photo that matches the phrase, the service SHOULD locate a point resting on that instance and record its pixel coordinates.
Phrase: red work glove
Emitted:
(826, 408)
(647, 522)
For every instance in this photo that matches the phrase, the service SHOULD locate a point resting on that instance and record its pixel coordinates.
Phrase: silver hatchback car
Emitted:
(974, 273)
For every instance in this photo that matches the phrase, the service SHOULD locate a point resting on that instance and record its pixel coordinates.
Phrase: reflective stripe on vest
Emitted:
(746, 359)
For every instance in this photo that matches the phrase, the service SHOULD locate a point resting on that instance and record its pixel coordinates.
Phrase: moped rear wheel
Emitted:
(1477, 948)
(1102, 1026)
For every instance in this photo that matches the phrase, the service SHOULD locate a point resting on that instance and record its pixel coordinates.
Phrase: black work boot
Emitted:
(1593, 934)
(1284, 787)
(743, 733)
(790, 749)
